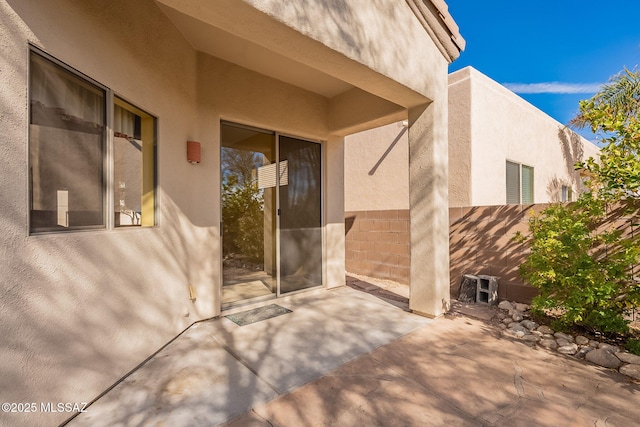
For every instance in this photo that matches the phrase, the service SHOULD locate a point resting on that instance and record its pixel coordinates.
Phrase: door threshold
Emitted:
(245, 302)
(227, 308)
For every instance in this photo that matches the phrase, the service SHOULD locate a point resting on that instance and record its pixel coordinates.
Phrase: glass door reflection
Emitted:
(248, 214)
(271, 203)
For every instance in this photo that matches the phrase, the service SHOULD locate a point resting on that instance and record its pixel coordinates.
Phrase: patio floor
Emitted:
(347, 358)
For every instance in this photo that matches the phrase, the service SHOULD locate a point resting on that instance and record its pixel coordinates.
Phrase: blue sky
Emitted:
(561, 49)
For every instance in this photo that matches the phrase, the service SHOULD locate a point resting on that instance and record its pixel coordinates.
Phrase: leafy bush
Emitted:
(243, 226)
(580, 260)
(633, 345)
(581, 263)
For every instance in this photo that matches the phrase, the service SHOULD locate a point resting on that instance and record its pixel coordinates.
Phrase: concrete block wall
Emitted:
(480, 242)
(377, 244)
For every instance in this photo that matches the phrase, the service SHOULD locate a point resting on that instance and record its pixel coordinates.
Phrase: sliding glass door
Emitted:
(300, 215)
(271, 202)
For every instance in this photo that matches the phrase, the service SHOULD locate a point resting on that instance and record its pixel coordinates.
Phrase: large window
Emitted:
(69, 148)
(519, 183)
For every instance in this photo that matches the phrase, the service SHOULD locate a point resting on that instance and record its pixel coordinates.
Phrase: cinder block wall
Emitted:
(480, 242)
(377, 244)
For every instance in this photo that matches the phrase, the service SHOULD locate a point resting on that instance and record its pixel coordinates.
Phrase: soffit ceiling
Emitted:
(216, 42)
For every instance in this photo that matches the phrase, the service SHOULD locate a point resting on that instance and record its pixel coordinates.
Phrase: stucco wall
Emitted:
(81, 309)
(376, 172)
(488, 125)
(502, 126)
(460, 139)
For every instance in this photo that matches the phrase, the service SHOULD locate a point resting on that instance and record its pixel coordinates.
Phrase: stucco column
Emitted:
(429, 210)
(334, 212)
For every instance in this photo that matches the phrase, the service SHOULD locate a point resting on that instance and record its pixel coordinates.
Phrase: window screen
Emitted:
(519, 184)
(66, 149)
(527, 184)
(513, 183)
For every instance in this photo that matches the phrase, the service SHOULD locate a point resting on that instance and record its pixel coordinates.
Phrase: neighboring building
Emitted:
(502, 150)
(111, 228)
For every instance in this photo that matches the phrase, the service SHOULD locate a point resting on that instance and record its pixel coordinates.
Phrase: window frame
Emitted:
(521, 183)
(566, 194)
(108, 186)
(132, 107)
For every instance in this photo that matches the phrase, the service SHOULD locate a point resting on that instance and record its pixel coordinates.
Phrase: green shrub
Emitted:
(580, 260)
(582, 265)
(633, 345)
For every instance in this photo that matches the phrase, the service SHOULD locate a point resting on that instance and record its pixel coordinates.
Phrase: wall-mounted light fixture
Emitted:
(193, 152)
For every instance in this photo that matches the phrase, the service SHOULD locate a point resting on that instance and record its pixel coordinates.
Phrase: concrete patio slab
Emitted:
(348, 358)
(457, 371)
(218, 370)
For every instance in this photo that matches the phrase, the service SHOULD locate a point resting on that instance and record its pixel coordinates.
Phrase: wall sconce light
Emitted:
(193, 152)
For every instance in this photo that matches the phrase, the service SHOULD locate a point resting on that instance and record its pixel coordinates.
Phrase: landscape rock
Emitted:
(530, 325)
(569, 349)
(628, 358)
(563, 336)
(548, 343)
(580, 340)
(608, 347)
(505, 305)
(631, 370)
(513, 333)
(518, 327)
(545, 329)
(603, 358)
(582, 352)
(514, 323)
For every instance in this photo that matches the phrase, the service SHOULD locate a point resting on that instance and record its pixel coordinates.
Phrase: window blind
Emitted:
(513, 183)
(527, 184)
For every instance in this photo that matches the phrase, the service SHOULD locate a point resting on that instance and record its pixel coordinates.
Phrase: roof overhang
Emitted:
(271, 48)
(439, 24)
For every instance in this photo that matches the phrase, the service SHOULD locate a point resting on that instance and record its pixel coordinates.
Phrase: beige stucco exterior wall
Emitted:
(377, 159)
(81, 309)
(498, 126)
(488, 125)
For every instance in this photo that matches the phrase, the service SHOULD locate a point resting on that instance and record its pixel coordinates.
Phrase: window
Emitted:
(69, 148)
(519, 183)
(567, 193)
(134, 168)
